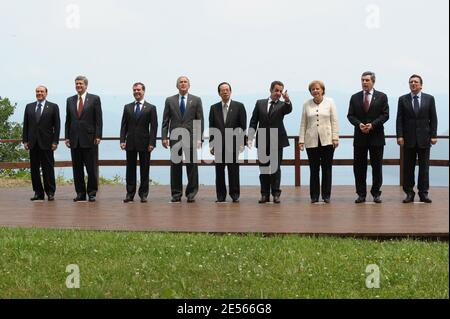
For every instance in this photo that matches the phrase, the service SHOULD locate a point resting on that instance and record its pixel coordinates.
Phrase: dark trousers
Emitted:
(321, 156)
(360, 169)
(42, 158)
(233, 180)
(84, 157)
(409, 165)
(176, 175)
(270, 183)
(144, 164)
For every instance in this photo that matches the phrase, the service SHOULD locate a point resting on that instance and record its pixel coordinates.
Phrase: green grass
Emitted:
(168, 265)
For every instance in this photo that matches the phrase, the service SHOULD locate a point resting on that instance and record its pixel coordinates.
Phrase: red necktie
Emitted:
(366, 101)
(80, 106)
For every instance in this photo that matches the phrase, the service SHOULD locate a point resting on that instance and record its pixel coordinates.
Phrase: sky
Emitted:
(248, 43)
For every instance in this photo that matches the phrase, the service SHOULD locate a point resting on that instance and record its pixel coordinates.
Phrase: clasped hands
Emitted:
(365, 128)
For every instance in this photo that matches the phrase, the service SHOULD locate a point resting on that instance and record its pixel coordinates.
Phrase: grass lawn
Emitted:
(173, 265)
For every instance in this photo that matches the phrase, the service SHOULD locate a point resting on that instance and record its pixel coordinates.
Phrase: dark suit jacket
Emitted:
(46, 131)
(417, 129)
(236, 119)
(377, 115)
(139, 133)
(260, 119)
(82, 131)
(172, 116)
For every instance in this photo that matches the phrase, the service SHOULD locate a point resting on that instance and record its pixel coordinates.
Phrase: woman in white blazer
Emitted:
(319, 135)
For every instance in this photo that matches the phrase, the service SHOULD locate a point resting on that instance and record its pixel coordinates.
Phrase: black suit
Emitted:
(173, 120)
(270, 174)
(227, 153)
(373, 142)
(40, 136)
(417, 131)
(138, 132)
(82, 131)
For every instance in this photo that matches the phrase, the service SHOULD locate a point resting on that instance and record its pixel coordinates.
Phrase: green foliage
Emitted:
(10, 152)
(173, 265)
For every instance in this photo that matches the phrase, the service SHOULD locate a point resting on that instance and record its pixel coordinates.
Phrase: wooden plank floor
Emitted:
(295, 214)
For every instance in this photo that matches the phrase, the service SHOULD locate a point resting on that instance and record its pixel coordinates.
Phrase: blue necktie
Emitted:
(416, 105)
(182, 106)
(38, 112)
(138, 110)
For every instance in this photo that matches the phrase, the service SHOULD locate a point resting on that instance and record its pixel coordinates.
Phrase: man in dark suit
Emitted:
(368, 111)
(227, 125)
(271, 138)
(416, 132)
(40, 136)
(183, 121)
(138, 136)
(83, 134)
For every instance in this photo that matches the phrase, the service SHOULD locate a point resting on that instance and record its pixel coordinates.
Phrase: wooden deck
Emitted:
(294, 215)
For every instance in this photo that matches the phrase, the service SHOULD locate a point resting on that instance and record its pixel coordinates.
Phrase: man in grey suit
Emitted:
(182, 130)
(84, 126)
(138, 136)
(416, 132)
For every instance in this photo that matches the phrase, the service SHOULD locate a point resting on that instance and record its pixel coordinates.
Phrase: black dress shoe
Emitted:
(51, 197)
(220, 200)
(143, 199)
(425, 199)
(175, 200)
(264, 199)
(409, 198)
(326, 200)
(37, 197)
(80, 199)
(377, 199)
(360, 199)
(314, 200)
(276, 199)
(128, 199)
(235, 200)
(191, 200)
(92, 198)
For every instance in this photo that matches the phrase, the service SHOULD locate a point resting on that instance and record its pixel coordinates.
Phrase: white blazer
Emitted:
(319, 121)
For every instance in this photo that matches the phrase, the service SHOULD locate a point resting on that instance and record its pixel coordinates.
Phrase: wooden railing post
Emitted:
(297, 162)
(97, 170)
(401, 165)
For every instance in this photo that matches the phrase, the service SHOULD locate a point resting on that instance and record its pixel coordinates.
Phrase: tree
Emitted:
(10, 152)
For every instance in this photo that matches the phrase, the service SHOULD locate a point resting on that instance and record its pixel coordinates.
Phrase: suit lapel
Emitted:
(410, 105)
(219, 110)
(374, 98)
(265, 109)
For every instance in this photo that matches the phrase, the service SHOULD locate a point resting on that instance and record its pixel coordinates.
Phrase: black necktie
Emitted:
(416, 105)
(38, 112)
(272, 103)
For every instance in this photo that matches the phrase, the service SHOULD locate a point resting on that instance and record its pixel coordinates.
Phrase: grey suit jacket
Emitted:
(172, 118)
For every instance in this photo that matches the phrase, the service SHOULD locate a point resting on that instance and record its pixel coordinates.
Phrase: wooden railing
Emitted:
(297, 162)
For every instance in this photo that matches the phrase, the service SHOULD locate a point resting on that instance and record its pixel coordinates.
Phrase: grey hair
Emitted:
(82, 78)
